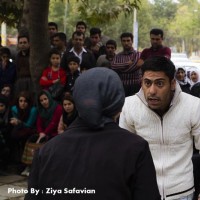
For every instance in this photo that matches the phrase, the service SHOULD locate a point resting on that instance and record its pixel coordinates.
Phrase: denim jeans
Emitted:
(189, 197)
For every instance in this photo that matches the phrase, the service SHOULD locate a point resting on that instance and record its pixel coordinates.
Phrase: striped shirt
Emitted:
(130, 74)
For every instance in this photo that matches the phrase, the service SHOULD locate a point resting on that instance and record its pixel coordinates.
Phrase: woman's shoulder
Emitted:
(33, 109)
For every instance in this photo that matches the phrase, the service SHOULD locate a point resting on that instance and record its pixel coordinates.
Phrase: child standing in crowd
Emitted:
(53, 74)
(73, 74)
(69, 113)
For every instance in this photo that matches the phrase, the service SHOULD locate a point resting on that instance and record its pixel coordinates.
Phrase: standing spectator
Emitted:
(96, 45)
(69, 113)
(94, 153)
(53, 74)
(52, 29)
(87, 59)
(80, 27)
(157, 48)
(168, 119)
(106, 60)
(125, 64)
(59, 41)
(7, 68)
(23, 82)
(73, 74)
(182, 79)
(194, 76)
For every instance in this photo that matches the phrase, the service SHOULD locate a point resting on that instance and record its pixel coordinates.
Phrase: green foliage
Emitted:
(11, 12)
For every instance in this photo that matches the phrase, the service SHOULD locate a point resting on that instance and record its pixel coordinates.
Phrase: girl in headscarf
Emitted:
(49, 113)
(69, 113)
(23, 121)
(194, 75)
(94, 154)
(181, 78)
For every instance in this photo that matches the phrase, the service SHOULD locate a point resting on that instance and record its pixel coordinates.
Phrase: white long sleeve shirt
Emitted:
(170, 139)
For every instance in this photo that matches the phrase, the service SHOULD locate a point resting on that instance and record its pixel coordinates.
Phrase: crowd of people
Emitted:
(85, 83)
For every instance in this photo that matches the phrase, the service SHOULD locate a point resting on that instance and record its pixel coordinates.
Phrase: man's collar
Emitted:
(73, 50)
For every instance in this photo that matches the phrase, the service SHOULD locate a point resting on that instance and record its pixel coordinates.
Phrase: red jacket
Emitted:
(51, 76)
(51, 129)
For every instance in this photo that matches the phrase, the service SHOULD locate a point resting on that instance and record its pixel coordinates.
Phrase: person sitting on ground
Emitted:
(182, 79)
(94, 153)
(69, 113)
(23, 120)
(7, 90)
(5, 129)
(49, 113)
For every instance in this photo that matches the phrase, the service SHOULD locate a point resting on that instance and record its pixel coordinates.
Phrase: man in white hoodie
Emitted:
(168, 119)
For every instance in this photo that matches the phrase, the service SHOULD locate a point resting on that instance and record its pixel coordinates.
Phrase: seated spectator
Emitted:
(182, 79)
(69, 113)
(106, 60)
(53, 74)
(7, 68)
(7, 90)
(5, 129)
(49, 113)
(23, 120)
(73, 74)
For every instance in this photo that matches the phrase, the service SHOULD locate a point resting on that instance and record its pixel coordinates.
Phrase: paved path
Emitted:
(12, 186)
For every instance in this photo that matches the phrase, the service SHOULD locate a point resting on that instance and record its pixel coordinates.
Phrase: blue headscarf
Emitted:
(98, 95)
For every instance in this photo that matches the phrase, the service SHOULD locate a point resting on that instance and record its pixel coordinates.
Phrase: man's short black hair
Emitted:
(74, 59)
(112, 42)
(157, 31)
(5, 50)
(94, 31)
(159, 64)
(54, 51)
(78, 33)
(23, 36)
(53, 24)
(61, 35)
(126, 34)
(81, 23)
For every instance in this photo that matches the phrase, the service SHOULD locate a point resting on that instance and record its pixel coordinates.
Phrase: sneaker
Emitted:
(26, 171)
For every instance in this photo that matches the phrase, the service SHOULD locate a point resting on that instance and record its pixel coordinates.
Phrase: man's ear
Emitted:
(173, 84)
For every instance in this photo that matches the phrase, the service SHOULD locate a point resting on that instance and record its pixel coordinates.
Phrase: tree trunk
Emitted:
(39, 40)
(24, 22)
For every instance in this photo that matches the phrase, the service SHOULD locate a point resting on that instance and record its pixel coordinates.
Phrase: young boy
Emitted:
(53, 74)
(73, 74)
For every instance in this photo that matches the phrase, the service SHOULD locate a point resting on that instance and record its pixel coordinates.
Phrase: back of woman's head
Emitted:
(98, 95)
